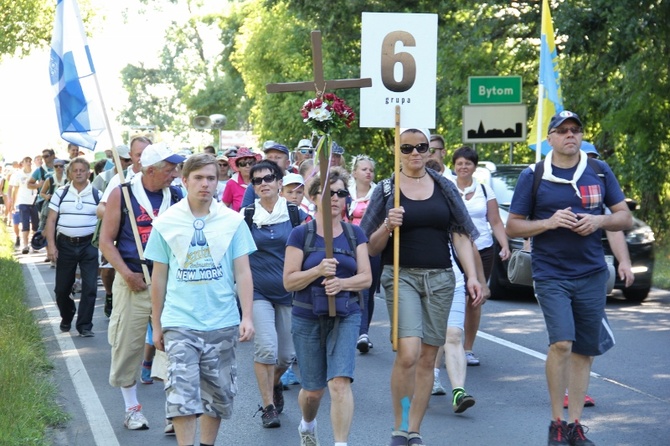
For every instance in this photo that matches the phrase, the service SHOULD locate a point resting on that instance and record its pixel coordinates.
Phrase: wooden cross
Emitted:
(319, 86)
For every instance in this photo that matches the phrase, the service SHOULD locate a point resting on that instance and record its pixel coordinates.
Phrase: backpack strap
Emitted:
(486, 196)
(310, 240)
(293, 214)
(249, 214)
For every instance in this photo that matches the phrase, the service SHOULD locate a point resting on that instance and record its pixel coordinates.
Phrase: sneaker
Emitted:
(270, 417)
(108, 305)
(65, 327)
(289, 378)
(25, 250)
(86, 334)
(169, 428)
(135, 420)
(462, 402)
(145, 376)
(308, 438)
(278, 397)
(17, 243)
(558, 433)
(398, 438)
(588, 401)
(414, 439)
(576, 434)
(437, 387)
(363, 344)
(471, 359)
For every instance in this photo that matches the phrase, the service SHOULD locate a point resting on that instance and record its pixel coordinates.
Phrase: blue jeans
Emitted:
(69, 256)
(319, 361)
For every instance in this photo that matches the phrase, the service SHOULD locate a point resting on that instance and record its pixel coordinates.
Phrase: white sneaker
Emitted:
(135, 420)
(437, 387)
(471, 359)
(308, 438)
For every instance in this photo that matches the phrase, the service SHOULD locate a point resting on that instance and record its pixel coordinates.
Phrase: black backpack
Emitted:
(293, 214)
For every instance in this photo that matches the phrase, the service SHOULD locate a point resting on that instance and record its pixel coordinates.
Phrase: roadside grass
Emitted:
(27, 392)
(662, 265)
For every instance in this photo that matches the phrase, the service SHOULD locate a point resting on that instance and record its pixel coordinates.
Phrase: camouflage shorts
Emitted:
(202, 372)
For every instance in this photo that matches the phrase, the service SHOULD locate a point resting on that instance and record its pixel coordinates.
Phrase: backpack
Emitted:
(309, 245)
(293, 214)
(537, 179)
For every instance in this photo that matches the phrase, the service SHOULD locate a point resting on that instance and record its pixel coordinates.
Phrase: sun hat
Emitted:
(243, 152)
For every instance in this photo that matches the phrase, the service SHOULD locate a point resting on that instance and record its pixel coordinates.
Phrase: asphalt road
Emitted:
(631, 383)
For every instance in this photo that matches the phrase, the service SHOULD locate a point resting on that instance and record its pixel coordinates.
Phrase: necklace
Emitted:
(415, 178)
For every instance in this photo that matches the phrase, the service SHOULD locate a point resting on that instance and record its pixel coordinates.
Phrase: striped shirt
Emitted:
(76, 211)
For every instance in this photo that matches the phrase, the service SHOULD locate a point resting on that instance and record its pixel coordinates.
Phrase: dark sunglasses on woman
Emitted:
(256, 181)
(409, 148)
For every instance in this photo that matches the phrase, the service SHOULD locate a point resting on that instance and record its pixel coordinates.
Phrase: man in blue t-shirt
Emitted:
(566, 221)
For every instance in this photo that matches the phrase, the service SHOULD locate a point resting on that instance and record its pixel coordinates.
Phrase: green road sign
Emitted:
(494, 90)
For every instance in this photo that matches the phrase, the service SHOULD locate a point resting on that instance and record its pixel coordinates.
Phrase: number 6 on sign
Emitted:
(391, 57)
(399, 54)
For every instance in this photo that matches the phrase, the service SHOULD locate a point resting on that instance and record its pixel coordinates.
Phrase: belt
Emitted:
(76, 240)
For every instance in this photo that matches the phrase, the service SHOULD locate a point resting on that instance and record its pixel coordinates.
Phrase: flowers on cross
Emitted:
(326, 114)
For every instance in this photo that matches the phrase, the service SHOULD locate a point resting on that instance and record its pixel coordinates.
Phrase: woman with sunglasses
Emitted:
(361, 186)
(326, 346)
(432, 220)
(273, 345)
(238, 183)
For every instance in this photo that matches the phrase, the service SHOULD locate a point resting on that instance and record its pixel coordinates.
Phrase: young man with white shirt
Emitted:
(200, 249)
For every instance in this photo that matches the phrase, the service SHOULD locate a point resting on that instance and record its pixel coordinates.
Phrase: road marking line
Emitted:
(543, 357)
(101, 428)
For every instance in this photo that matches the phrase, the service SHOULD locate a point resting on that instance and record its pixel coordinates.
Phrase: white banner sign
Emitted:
(399, 54)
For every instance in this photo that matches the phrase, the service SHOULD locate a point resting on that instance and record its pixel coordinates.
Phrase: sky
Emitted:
(123, 35)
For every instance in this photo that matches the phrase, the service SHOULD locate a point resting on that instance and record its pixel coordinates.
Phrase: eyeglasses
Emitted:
(306, 151)
(126, 160)
(435, 149)
(246, 163)
(342, 193)
(564, 130)
(256, 181)
(408, 148)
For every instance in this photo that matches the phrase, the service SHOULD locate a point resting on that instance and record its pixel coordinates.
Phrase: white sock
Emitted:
(307, 427)
(130, 396)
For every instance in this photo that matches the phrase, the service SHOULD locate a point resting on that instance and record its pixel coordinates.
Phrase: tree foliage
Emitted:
(613, 58)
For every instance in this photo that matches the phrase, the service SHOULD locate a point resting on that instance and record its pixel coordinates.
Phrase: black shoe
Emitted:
(558, 433)
(576, 435)
(270, 416)
(463, 402)
(108, 305)
(17, 243)
(278, 397)
(65, 327)
(363, 344)
(86, 334)
(25, 250)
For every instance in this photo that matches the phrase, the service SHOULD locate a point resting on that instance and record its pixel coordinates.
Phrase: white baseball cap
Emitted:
(292, 178)
(155, 153)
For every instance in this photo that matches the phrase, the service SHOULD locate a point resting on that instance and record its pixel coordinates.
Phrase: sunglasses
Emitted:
(408, 148)
(59, 166)
(564, 130)
(223, 164)
(246, 163)
(256, 181)
(306, 151)
(341, 193)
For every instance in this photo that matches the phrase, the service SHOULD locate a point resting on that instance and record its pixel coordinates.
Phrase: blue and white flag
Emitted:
(78, 106)
(550, 81)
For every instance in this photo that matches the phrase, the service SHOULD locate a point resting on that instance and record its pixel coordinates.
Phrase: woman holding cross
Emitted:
(432, 220)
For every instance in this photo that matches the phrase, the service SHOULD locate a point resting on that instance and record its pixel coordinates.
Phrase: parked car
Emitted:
(640, 239)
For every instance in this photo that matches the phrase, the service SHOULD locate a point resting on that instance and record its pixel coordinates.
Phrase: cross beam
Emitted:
(319, 84)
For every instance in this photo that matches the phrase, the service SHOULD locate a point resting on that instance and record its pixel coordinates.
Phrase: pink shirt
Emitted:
(234, 192)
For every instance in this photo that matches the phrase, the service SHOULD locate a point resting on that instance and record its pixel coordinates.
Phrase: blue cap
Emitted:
(561, 117)
(273, 145)
(587, 147)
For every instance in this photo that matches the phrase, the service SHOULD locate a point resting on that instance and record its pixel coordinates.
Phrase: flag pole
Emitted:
(124, 190)
(396, 231)
(538, 124)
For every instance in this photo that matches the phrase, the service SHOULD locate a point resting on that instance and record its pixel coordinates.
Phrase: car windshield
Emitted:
(503, 182)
